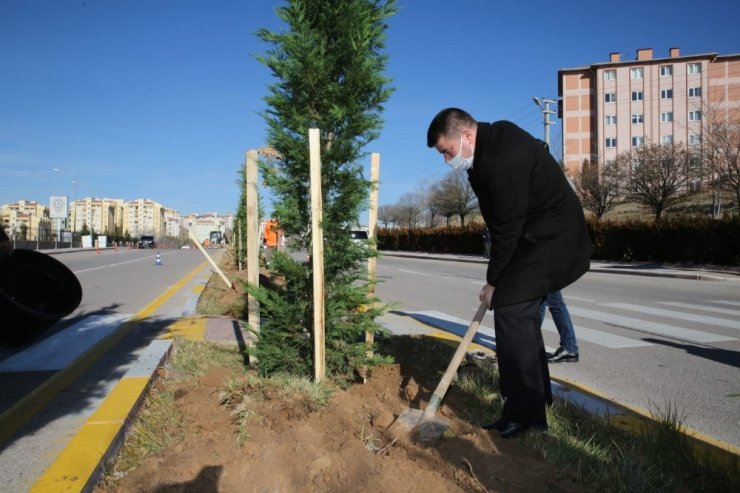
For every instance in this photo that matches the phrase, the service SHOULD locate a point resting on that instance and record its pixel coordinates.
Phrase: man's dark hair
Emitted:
(449, 121)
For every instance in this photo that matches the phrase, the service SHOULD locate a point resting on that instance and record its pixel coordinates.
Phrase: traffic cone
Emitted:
(159, 260)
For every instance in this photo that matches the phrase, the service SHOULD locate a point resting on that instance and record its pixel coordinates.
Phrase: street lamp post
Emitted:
(74, 213)
(544, 105)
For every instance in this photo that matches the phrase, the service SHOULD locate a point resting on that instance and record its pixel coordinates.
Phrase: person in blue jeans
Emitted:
(568, 350)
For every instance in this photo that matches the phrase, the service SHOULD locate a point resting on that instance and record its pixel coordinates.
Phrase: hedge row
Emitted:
(455, 239)
(695, 240)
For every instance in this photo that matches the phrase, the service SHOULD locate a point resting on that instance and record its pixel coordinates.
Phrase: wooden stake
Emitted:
(371, 224)
(317, 257)
(210, 261)
(253, 243)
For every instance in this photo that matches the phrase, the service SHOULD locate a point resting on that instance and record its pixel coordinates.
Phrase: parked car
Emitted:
(358, 236)
(147, 242)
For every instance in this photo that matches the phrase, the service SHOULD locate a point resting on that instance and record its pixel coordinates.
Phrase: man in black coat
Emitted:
(539, 245)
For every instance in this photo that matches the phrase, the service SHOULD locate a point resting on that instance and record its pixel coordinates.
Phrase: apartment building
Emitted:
(104, 216)
(144, 217)
(611, 107)
(27, 220)
(172, 222)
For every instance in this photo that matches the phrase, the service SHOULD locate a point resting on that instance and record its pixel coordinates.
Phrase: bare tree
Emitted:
(657, 176)
(453, 195)
(720, 148)
(410, 206)
(387, 214)
(597, 188)
(441, 203)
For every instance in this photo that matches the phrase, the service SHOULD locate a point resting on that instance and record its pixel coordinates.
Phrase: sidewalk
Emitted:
(651, 269)
(79, 466)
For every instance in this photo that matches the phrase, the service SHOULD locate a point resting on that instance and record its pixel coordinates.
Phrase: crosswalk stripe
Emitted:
(719, 322)
(598, 337)
(706, 308)
(726, 302)
(645, 325)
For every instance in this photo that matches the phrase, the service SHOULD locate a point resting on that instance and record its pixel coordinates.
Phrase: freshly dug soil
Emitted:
(345, 446)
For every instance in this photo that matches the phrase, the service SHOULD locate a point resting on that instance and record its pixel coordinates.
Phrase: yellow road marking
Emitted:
(76, 464)
(192, 328)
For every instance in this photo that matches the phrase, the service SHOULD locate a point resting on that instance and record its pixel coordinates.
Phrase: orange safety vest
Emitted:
(270, 235)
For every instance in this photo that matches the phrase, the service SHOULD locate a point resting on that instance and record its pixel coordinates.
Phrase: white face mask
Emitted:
(460, 162)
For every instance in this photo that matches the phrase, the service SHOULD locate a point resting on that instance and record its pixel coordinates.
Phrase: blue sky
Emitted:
(159, 99)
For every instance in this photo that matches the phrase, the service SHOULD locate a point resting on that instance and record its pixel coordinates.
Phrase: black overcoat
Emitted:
(539, 239)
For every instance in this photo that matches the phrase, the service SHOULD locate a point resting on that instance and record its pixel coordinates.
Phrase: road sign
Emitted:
(58, 209)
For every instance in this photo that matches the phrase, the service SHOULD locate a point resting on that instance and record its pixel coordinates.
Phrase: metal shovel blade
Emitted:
(412, 425)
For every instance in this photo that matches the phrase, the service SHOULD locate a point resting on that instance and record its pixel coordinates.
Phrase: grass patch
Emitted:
(158, 425)
(600, 457)
(195, 358)
(240, 393)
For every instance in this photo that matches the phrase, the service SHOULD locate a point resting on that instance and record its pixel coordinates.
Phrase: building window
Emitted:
(610, 74)
(694, 139)
(637, 118)
(611, 119)
(610, 97)
(666, 70)
(637, 73)
(611, 142)
(666, 116)
(637, 96)
(694, 116)
(666, 94)
(694, 68)
(638, 141)
(694, 92)
(666, 139)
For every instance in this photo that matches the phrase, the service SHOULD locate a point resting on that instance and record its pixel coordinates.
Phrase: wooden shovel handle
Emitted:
(462, 348)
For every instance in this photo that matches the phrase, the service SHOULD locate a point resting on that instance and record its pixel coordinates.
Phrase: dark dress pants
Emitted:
(524, 378)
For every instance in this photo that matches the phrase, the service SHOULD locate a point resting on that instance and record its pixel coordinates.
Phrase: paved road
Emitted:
(116, 286)
(655, 343)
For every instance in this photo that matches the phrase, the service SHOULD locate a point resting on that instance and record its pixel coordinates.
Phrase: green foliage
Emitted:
(328, 66)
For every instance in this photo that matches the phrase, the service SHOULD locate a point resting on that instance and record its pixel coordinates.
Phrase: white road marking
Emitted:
(645, 325)
(701, 319)
(598, 337)
(112, 265)
(706, 308)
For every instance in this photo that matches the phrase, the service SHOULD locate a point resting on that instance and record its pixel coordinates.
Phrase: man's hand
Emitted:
(486, 293)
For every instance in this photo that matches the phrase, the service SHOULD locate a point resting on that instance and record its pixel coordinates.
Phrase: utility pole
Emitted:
(544, 105)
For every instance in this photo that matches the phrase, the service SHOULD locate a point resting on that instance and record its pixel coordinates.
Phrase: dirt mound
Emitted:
(344, 446)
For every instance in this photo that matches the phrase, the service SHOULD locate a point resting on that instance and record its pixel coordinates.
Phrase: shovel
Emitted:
(424, 427)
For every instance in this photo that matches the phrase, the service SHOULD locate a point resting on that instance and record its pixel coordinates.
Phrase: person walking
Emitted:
(486, 243)
(567, 352)
(539, 245)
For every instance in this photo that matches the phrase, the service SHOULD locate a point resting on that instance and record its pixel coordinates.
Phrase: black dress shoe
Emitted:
(512, 430)
(562, 355)
(497, 425)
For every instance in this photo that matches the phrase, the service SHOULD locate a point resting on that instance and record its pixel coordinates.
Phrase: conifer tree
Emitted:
(328, 65)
